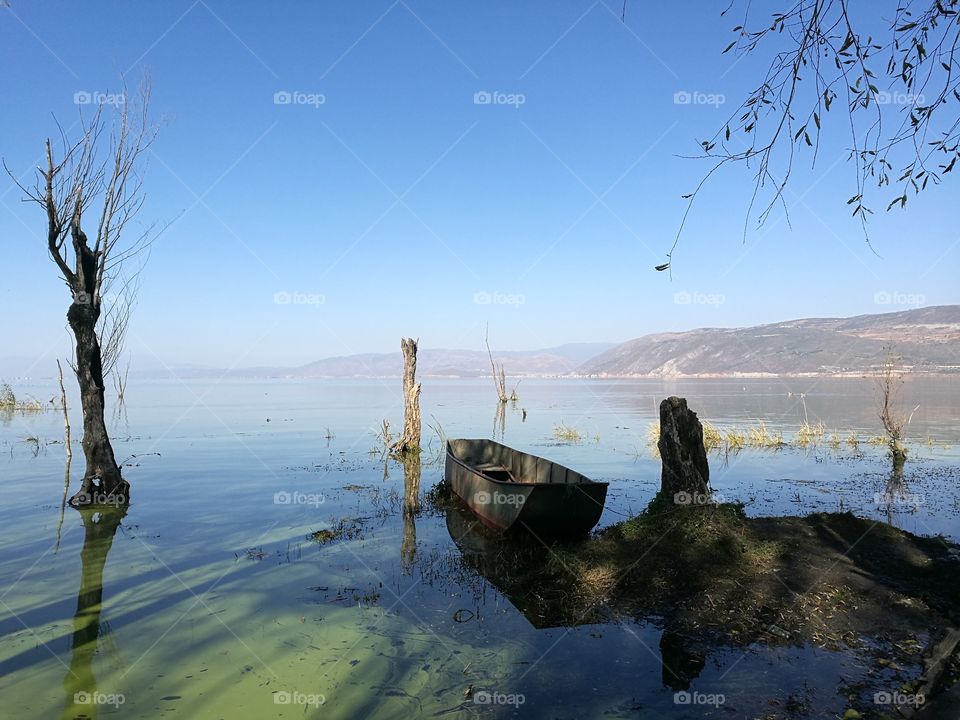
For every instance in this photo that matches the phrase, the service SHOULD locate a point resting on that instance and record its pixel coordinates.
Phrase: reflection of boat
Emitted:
(515, 567)
(507, 488)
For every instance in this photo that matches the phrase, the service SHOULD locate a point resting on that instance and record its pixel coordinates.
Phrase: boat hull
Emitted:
(545, 497)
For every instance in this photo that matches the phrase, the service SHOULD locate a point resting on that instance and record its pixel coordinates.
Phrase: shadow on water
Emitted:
(80, 683)
(518, 567)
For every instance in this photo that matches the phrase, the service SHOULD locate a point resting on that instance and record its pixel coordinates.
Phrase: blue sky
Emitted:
(383, 200)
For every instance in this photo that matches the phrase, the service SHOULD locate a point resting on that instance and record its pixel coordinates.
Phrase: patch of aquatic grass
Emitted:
(809, 435)
(760, 437)
(567, 433)
(712, 437)
(735, 440)
(653, 432)
(853, 440)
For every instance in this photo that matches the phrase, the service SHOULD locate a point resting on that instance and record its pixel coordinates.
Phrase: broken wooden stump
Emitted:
(685, 474)
(410, 438)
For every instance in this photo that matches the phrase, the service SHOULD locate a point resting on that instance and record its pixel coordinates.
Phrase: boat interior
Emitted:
(503, 464)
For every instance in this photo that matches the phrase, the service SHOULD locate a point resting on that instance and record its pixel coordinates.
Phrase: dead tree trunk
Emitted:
(102, 482)
(410, 438)
(685, 476)
(109, 182)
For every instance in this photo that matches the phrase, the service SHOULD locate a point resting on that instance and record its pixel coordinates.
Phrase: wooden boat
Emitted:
(509, 489)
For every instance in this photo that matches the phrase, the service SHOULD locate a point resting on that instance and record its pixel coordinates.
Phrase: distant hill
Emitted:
(560, 360)
(431, 362)
(928, 339)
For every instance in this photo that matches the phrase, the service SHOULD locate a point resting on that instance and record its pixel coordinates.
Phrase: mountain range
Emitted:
(927, 340)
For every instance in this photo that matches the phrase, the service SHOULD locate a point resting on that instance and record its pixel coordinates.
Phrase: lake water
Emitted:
(209, 599)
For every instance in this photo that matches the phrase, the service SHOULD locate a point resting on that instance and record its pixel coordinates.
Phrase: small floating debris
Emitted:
(342, 529)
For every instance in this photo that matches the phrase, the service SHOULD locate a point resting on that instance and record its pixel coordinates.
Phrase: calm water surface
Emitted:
(208, 599)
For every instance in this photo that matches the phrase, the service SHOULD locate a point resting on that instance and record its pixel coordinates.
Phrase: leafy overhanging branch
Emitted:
(819, 55)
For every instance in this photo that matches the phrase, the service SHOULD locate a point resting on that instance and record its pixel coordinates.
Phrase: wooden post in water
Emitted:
(410, 438)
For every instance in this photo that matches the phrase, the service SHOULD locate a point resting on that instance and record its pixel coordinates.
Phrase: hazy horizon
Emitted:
(12, 366)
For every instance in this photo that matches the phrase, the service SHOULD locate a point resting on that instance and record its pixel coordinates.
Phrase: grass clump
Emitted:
(567, 433)
(666, 551)
(760, 437)
(342, 529)
(810, 435)
(712, 437)
(735, 440)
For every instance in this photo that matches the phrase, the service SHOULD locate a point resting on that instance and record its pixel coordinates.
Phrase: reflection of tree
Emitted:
(408, 547)
(411, 506)
(895, 492)
(99, 528)
(680, 663)
(411, 482)
(500, 421)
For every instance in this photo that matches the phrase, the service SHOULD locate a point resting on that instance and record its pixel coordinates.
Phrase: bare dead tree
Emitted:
(66, 417)
(893, 90)
(499, 374)
(101, 173)
(894, 421)
(118, 297)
